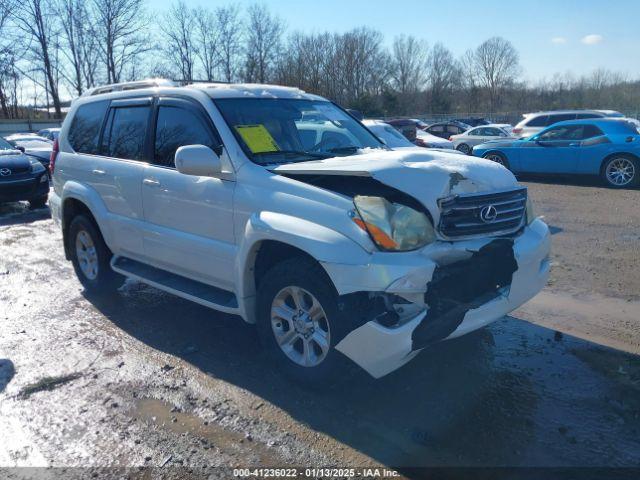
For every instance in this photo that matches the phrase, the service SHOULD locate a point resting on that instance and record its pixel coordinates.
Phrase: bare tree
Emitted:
(7, 57)
(79, 50)
(442, 73)
(263, 41)
(497, 65)
(36, 20)
(409, 56)
(122, 33)
(179, 42)
(229, 46)
(206, 41)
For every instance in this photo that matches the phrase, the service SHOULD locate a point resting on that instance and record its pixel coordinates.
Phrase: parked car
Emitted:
(33, 145)
(21, 177)
(391, 137)
(409, 128)
(473, 121)
(333, 251)
(606, 147)
(533, 123)
(49, 133)
(465, 141)
(447, 129)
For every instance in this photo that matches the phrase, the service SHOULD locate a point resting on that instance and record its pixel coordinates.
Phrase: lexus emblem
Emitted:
(5, 172)
(488, 214)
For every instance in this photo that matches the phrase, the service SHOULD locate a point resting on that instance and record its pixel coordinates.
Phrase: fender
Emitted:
(94, 203)
(322, 243)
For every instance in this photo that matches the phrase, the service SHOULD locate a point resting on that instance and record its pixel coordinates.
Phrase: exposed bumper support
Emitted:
(380, 350)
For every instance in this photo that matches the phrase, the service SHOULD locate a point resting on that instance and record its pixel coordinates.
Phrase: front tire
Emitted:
(299, 322)
(464, 148)
(39, 202)
(621, 171)
(498, 158)
(91, 257)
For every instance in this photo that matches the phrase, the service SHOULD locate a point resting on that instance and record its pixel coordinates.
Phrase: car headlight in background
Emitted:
(36, 166)
(531, 214)
(393, 226)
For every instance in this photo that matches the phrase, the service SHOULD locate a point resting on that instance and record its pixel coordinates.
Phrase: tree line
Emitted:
(56, 49)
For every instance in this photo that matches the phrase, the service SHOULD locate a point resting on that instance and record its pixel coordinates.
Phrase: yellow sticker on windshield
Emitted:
(257, 138)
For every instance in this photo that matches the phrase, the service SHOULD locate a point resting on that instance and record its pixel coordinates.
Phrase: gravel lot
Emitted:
(147, 379)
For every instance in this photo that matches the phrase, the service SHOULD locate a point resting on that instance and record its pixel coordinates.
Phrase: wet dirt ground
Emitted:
(143, 378)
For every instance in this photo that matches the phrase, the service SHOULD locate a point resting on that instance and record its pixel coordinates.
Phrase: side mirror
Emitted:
(21, 148)
(198, 160)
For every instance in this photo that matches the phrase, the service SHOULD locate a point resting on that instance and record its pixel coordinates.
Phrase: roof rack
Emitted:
(118, 87)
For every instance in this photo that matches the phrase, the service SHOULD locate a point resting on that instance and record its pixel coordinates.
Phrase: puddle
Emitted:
(159, 413)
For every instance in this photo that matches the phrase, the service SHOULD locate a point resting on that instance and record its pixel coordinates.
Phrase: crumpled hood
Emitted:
(426, 176)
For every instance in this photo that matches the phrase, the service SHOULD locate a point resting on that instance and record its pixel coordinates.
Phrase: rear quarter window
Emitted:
(84, 131)
(539, 121)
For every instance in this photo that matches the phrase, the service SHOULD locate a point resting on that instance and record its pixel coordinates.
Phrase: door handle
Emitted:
(574, 144)
(98, 172)
(151, 182)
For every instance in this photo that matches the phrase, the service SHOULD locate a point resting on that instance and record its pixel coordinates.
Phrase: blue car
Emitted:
(607, 147)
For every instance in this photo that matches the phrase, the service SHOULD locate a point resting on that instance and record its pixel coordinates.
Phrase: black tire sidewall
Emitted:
(466, 151)
(633, 183)
(38, 202)
(107, 280)
(310, 276)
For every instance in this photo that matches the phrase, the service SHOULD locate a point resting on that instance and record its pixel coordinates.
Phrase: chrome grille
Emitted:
(460, 215)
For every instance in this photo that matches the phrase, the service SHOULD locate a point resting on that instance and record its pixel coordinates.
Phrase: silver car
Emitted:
(464, 142)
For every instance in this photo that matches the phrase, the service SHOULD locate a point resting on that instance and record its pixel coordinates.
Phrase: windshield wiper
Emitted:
(293, 153)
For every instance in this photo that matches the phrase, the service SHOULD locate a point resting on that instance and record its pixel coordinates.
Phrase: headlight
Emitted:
(531, 214)
(393, 226)
(36, 166)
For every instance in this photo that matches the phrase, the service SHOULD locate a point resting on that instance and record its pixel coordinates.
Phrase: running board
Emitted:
(178, 285)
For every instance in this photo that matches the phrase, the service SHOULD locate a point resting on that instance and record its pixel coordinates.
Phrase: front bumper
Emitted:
(380, 350)
(24, 188)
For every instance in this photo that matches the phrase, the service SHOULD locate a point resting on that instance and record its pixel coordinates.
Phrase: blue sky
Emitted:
(550, 35)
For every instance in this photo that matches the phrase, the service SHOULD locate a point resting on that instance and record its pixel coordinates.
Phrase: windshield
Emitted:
(4, 145)
(290, 130)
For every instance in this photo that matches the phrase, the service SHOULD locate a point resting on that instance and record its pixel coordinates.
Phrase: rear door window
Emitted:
(177, 127)
(124, 135)
(561, 117)
(85, 128)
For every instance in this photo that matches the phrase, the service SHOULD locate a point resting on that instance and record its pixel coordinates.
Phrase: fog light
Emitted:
(43, 179)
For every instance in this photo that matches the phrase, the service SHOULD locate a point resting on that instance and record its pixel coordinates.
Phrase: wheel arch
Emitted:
(272, 237)
(617, 154)
(78, 199)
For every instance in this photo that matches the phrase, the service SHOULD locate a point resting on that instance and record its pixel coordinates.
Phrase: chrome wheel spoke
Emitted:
(300, 326)
(87, 255)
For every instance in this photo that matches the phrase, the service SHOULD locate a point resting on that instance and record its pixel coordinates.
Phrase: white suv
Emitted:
(332, 244)
(533, 123)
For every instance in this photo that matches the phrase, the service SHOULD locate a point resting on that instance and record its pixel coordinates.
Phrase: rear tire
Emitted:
(39, 202)
(621, 171)
(314, 322)
(91, 257)
(464, 148)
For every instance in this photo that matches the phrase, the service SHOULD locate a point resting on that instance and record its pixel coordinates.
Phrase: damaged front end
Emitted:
(470, 284)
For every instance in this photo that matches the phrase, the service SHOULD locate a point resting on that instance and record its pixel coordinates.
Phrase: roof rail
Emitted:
(117, 87)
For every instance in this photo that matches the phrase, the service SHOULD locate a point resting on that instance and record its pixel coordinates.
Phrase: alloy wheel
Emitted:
(300, 326)
(87, 255)
(620, 171)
